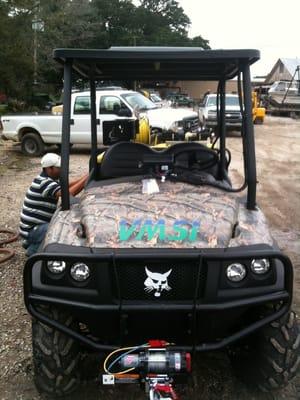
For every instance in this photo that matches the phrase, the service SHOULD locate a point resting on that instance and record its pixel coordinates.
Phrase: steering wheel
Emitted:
(199, 158)
(211, 160)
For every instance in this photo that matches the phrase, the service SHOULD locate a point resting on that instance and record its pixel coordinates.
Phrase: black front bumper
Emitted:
(207, 318)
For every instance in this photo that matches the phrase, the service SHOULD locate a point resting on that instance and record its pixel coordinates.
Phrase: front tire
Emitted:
(55, 356)
(32, 145)
(271, 358)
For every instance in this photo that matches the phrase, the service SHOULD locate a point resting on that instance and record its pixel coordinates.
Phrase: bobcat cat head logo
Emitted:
(156, 282)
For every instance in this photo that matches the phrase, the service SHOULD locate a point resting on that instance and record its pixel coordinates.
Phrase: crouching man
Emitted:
(41, 200)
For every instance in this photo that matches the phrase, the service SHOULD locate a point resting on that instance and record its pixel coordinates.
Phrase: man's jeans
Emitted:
(35, 238)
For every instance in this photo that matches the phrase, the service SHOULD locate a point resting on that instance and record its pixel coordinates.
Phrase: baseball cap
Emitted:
(50, 160)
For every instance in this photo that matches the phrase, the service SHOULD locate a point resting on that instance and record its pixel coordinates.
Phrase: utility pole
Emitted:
(134, 82)
(37, 26)
(34, 56)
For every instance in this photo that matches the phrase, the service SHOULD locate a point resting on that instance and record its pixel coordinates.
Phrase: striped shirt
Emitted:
(39, 204)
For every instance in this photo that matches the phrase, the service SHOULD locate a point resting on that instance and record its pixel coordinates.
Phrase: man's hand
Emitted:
(75, 186)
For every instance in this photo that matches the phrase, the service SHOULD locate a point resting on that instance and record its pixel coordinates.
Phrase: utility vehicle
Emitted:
(161, 256)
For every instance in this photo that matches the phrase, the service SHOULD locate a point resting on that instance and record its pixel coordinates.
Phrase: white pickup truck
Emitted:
(35, 132)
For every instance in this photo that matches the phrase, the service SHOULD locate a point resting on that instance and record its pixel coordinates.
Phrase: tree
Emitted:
(66, 24)
(198, 41)
(15, 56)
(169, 12)
(117, 23)
(80, 24)
(152, 22)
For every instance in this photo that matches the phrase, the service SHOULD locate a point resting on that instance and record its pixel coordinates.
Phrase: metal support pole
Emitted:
(65, 144)
(248, 142)
(222, 128)
(93, 122)
(35, 57)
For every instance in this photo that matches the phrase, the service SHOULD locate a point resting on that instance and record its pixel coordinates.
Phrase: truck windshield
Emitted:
(138, 101)
(230, 101)
(155, 98)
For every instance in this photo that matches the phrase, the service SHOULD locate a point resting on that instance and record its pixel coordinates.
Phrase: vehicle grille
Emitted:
(182, 280)
(190, 124)
(233, 116)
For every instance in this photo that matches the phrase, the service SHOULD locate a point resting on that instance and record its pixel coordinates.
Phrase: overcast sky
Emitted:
(267, 25)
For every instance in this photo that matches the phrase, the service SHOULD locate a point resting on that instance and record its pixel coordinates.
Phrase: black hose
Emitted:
(245, 184)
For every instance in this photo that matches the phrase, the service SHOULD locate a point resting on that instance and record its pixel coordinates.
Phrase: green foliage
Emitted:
(198, 41)
(15, 55)
(80, 24)
(3, 109)
(168, 13)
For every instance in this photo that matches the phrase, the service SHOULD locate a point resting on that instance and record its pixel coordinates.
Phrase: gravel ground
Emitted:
(278, 164)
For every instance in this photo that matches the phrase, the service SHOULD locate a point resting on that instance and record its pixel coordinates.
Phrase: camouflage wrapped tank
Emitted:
(119, 215)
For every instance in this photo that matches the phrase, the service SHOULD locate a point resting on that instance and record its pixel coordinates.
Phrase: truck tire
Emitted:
(32, 145)
(55, 356)
(271, 358)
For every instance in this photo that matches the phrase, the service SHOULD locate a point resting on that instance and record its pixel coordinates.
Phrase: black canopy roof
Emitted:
(160, 63)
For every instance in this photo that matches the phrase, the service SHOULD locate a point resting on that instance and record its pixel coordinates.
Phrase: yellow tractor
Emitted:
(258, 113)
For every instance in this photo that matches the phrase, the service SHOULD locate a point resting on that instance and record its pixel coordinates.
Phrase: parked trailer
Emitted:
(276, 108)
(284, 96)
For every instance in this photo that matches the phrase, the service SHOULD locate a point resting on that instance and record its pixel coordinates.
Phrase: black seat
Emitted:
(192, 156)
(124, 159)
(131, 159)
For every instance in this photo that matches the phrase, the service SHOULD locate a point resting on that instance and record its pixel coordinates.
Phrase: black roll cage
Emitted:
(161, 63)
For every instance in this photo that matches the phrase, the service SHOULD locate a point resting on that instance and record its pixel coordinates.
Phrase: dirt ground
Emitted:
(278, 166)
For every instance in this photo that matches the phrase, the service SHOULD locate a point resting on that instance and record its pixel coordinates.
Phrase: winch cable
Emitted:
(8, 253)
(153, 371)
(128, 350)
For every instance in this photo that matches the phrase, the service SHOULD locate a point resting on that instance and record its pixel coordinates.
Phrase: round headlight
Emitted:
(80, 272)
(56, 267)
(236, 272)
(260, 266)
